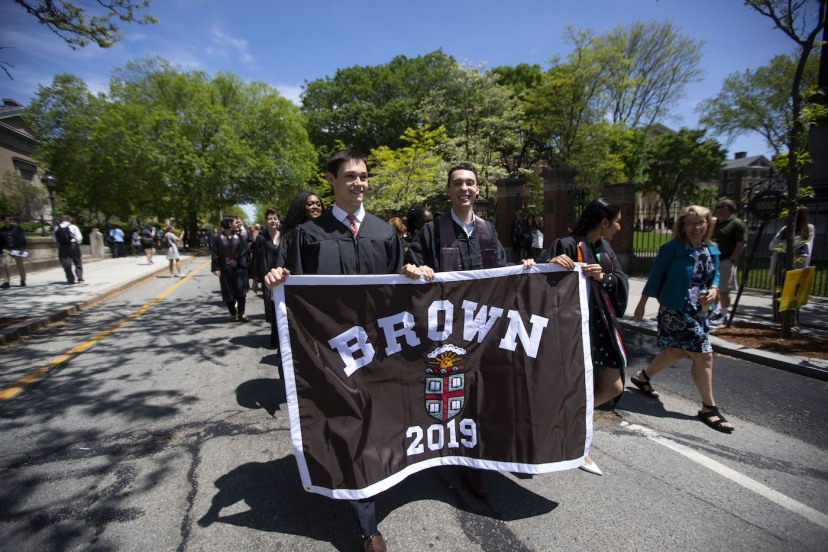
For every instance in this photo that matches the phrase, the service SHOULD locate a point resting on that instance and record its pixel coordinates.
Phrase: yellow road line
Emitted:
(32, 377)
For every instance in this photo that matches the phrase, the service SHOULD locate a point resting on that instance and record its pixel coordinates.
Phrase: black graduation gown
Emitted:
(326, 246)
(234, 280)
(606, 350)
(425, 247)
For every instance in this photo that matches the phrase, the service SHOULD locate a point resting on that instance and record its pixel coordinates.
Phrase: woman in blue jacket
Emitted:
(685, 280)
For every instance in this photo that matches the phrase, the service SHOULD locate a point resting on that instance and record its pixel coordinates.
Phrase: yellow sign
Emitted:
(797, 289)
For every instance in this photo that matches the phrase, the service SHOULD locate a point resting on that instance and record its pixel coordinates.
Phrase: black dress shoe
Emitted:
(374, 543)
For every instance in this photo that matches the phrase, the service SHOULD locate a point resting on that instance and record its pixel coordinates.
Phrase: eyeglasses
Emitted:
(696, 224)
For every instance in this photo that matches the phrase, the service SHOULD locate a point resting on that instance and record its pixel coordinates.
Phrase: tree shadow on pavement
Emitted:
(277, 502)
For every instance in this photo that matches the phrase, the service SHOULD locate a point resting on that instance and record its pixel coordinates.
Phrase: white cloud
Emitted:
(224, 40)
(291, 92)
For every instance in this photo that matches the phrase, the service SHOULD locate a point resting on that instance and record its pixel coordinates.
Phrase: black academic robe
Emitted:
(425, 247)
(233, 280)
(326, 246)
(607, 299)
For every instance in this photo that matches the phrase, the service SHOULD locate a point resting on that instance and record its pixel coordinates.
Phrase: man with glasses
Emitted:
(12, 246)
(730, 234)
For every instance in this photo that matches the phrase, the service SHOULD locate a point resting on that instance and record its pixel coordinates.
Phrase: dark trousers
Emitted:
(69, 254)
(366, 513)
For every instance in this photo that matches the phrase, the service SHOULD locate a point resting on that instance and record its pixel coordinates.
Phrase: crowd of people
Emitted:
(685, 278)
(691, 278)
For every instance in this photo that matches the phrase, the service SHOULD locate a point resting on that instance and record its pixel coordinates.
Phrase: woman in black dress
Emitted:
(589, 243)
(266, 250)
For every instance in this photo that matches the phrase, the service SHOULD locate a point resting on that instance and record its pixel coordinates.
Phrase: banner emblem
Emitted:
(445, 383)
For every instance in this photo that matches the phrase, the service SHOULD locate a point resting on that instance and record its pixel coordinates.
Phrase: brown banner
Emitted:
(387, 376)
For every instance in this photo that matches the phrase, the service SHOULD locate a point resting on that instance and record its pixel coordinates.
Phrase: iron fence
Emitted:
(653, 226)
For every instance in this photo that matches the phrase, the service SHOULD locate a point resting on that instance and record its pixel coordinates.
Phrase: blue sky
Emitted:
(286, 44)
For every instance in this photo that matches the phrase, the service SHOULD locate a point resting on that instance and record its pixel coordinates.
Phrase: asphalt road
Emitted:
(170, 433)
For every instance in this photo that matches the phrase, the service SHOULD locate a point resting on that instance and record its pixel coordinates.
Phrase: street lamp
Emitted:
(51, 182)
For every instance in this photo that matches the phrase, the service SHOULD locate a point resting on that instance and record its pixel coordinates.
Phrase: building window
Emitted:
(25, 170)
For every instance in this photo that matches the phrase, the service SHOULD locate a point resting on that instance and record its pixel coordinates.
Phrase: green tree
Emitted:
(678, 162)
(178, 145)
(645, 68)
(802, 21)
(481, 118)
(520, 78)
(759, 101)
(368, 107)
(409, 175)
(63, 116)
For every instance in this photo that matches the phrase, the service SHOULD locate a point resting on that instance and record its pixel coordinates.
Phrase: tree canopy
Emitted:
(678, 162)
(171, 144)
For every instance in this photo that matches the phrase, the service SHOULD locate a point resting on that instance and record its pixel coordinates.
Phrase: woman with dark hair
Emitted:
(305, 206)
(417, 218)
(266, 248)
(685, 279)
(589, 243)
(230, 265)
(803, 249)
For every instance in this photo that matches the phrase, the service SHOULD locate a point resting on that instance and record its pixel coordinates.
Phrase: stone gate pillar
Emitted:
(509, 200)
(558, 202)
(623, 195)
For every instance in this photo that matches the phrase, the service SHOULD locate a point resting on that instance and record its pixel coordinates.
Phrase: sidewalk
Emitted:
(753, 307)
(48, 298)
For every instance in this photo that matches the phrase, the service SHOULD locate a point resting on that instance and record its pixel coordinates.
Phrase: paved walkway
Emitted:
(48, 298)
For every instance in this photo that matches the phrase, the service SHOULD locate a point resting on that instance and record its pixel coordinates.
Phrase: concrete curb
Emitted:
(812, 368)
(28, 327)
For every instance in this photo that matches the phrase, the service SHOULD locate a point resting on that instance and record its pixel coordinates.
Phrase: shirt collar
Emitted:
(341, 214)
(468, 228)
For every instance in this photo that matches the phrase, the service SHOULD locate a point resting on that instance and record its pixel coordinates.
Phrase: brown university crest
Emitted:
(445, 382)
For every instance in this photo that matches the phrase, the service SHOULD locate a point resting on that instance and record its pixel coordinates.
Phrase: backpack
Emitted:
(63, 235)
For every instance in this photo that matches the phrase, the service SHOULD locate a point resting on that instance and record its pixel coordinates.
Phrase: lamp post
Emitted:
(51, 182)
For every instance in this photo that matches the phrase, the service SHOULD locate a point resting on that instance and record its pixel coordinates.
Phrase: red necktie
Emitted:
(354, 228)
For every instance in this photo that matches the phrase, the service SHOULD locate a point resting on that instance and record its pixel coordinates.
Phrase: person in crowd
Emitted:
(265, 257)
(803, 249)
(12, 246)
(117, 236)
(398, 225)
(246, 233)
(69, 238)
(730, 234)
(461, 241)
(685, 280)
(517, 235)
(418, 217)
(229, 263)
(534, 237)
(158, 235)
(345, 239)
(589, 243)
(304, 207)
(173, 255)
(135, 242)
(148, 243)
